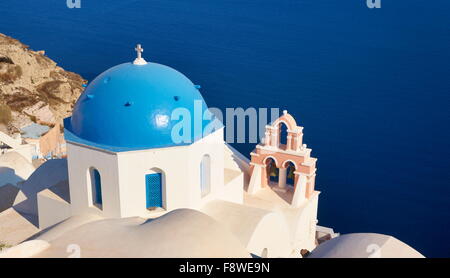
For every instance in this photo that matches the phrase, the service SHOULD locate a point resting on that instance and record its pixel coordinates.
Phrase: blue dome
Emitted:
(129, 107)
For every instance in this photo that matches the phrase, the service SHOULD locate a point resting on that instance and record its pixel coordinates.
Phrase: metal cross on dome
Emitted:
(139, 51)
(139, 60)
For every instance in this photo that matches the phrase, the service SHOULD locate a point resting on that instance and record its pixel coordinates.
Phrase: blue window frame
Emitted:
(153, 185)
(96, 186)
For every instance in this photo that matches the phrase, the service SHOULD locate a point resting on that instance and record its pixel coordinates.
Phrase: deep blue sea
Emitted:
(370, 86)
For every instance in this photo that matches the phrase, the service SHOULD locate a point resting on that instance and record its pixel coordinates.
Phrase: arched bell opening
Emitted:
(272, 171)
(283, 136)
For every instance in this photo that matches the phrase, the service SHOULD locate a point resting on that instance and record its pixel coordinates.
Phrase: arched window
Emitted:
(205, 175)
(96, 187)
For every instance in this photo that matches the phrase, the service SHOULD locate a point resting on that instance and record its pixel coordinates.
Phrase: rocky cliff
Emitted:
(33, 88)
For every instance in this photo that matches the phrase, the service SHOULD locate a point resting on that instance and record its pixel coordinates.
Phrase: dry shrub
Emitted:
(9, 73)
(6, 60)
(21, 99)
(5, 114)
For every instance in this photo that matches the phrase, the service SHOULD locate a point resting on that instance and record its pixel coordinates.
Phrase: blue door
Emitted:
(153, 190)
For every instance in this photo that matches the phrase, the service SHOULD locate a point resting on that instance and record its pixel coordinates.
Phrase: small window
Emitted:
(96, 188)
(205, 175)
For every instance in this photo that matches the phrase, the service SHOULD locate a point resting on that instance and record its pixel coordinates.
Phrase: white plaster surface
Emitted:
(171, 235)
(14, 168)
(364, 245)
(53, 208)
(15, 227)
(47, 175)
(25, 250)
(257, 229)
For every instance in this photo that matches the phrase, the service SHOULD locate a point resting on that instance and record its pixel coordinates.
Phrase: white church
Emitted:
(130, 188)
(123, 159)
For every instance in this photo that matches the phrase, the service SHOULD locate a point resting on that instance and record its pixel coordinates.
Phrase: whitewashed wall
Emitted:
(123, 177)
(80, 159)
(305, 227)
